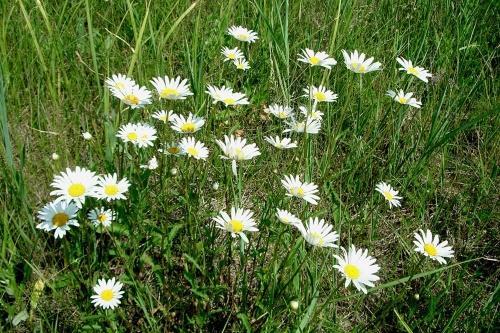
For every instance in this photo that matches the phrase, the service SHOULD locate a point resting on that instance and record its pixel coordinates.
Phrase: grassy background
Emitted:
(180, 274)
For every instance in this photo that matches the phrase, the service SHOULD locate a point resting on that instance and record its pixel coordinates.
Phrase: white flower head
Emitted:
(237, 149)
(226, 96)
(285, 143)
(241, 64)
(87, 136)
(288, 218)
(188, 125)
(163, 115)
(173, 148)
(119, 82)
(110, 188)
(58, 216)
(280, 111)
(108, 294)
(430, 247)
(242, 34)
(101, 216)
(405, 99)
(296, 188)
(152, 164)
(390, 194)
(239, 221)
(135, 96)
(141, 135)
(193, 148)
(319, 233)
(317, 58)
(320, 94)
(172, 89)
(357, 267)
(419, 72)
(232, 54)
(74, 185)
(55, 156)
(309, 125)
(358, 64)
(311, 114)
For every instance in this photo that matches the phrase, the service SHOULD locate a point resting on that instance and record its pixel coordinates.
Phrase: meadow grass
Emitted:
(182, 274)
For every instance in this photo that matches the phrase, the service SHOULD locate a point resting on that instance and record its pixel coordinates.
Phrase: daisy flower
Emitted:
(87, 136)
(242, 34)
(109, 188)
(152, 164)
(226, 96)
(430, 247)
(134, 96)
(320, 94)
(193, 148)
(284, 143)
(241, 63)
(239, 221)
(172, 148)
(74, 185)
(419, 72)
(108, 293)
(309, 125)
(163, 115)
(192, 124)
(58, 216)
(146, 134)
(356, 62)
(118, 82)
(172, 89)
(317, 58)
(280, 111)
(298, 189)
(313, 114)
(390, 194)
(357, 267)
(286, 217)
(319, 233)
(231, 54)
(403, 98)
(236, 149)
(101, 216)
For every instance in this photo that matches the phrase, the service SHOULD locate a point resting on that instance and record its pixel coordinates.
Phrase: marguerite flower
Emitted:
(313, 114)
(403, 98)
(242, 34)
(285, 143)
(356, 62)
(192, 124)
(357, 267)
(193, 148)
(280, 111)
(172, 148)
(172, 89)
(101, 216)
(163, 115)
(309, 125)
(74, 185)
(319, 233)
(298, 189)
(226, 96)
(146, 134)
(108, 293)
(286, 217)
(430, 247)
(58, 216)
(317, 58)
(119, 82)
(231, 54)
(419, 72)
(389, 194)
(236, 149)
(134, 96)
(128, 133)
(152, 164)
(320, 94)
(239, 221)
(241, 63)
(109, 188)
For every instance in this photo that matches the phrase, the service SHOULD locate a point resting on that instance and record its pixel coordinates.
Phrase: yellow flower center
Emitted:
(169, 92)
(285, 220)
(193, 151)
(317, 237)
(132, 136)
(298, 191)
(76, 190)
(231, 56)
(314, 60)
(282, 115)
(430, 249)
(107, 295)
(102, 218)
(60, 219)
(164, 118)
(352, 271)
(240, 65)
(111, 189)
(236, 225)
(388, 195)
(173, 150)
(362, 69)
(131, 99)
(402, 100)
(412, 70)
(120, 85)
(229, 101)
(188, 127)
(243, 36)
(319, 96)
